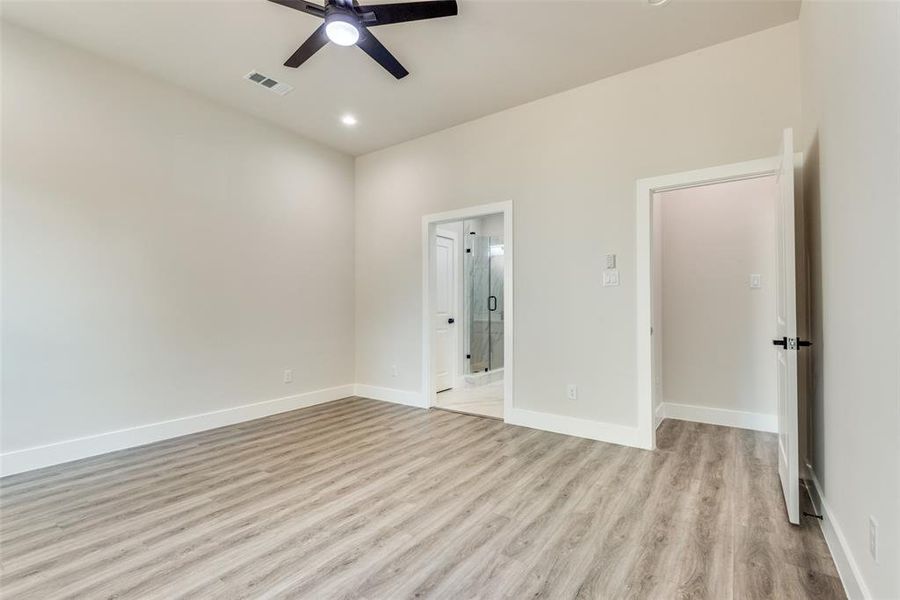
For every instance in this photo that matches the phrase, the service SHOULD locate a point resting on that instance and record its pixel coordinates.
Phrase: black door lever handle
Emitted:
(783, 342)
(451, 320)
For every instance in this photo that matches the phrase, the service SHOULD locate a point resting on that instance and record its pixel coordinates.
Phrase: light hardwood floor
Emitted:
(363, 499)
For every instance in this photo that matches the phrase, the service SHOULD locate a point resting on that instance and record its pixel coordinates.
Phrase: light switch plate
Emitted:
(610, 278)
(610, 261)
(755, 281)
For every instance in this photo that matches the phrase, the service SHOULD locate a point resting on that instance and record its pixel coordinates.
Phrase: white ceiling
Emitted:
(494, 55)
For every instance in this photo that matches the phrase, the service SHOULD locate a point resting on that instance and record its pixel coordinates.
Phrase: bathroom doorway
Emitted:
(468, 314)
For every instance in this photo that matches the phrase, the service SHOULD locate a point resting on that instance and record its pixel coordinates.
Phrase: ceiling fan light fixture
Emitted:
(347, 23)
(341, 30)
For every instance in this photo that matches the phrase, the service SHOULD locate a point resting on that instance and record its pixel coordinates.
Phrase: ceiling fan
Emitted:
(347, 23)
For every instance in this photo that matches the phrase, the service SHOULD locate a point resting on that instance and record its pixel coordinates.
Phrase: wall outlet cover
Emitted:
(288, 375)
(610, 278)
(873, 538)
(572, 391)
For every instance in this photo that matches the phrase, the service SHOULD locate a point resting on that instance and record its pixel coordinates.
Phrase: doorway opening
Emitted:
(781, 336)
(468, 316)
(713, 298)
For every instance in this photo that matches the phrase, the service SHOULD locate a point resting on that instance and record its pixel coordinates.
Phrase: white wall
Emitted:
(851, 135)
(717, 350)
(162, 256)
(569, 162)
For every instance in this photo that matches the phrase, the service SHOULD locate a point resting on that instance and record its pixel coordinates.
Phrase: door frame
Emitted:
(645, 189)
(429, 231)
(455, 304)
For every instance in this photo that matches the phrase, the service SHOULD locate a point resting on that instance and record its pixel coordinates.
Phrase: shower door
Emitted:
(484, 302)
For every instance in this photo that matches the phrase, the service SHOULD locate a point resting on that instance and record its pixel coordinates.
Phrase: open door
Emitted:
(786, 342)
(445, 294)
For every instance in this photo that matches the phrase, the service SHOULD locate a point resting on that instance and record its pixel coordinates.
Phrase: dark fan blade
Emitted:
(371, 46)
(312, 45)
(307, 7)
(386, 14)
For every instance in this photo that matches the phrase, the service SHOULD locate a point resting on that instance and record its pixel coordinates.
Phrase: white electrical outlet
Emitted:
(288, 375)
(394, 371)
(610, 278)
(572, 391)
(873, 538)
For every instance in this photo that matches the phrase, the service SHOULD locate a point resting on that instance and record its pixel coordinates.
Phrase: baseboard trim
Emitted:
(28, 459)
(390, 395)
(593, 430)
(585, 428)
(847, 568)
(719, 416)
(37, 457)
(659, 415)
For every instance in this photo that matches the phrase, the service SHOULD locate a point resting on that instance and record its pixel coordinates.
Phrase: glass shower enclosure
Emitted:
(484, 301)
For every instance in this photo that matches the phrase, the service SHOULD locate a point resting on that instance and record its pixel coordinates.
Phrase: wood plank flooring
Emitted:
(363, 499)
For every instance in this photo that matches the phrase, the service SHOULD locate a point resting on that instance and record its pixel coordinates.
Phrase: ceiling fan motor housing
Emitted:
(334, 12)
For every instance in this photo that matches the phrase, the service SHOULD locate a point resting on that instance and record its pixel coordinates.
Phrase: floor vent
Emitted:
(267, 82)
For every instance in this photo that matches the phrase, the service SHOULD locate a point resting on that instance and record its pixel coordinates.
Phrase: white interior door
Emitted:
(786, 333)
(443, 321)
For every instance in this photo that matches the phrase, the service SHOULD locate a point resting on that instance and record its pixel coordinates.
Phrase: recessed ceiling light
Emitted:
(657, 2)
(348, 120)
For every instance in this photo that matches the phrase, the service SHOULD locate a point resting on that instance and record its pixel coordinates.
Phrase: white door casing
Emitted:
(786, 332)
(444, 301)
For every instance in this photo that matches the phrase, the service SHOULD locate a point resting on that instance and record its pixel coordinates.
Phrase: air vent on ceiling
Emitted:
(267, 82)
